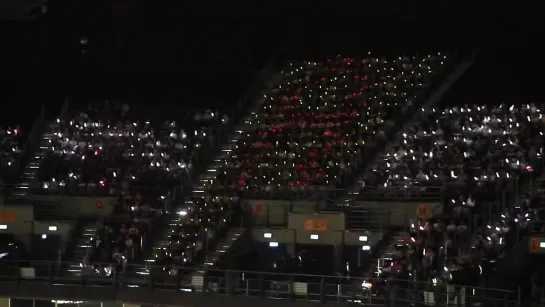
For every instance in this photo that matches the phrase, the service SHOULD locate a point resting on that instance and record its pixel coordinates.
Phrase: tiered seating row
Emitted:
(473, 149)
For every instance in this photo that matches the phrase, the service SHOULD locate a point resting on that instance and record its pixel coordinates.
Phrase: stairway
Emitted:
(224, 246)
(31, 169)
(38, 143)
(249, 104)
(84, 245)
(204, 179)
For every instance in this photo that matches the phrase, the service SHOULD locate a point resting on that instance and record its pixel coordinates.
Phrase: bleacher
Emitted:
(483, 163)
(116, 170)
(307, 134)
(447, 198)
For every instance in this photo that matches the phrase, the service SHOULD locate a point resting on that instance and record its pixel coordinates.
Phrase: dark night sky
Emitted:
(205, 54)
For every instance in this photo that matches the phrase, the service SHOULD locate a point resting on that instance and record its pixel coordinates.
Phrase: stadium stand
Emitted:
(472, 152)
(307, 135)
(426, 208)
(472, 149)
(118, 169)
(483, 163)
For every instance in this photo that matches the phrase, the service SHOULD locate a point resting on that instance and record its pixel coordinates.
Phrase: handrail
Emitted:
(174, 282)
(321, 193)
(416, 193)
(131, 272)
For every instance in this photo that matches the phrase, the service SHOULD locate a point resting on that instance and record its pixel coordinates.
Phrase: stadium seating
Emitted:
(310, 132)
(90, 153)
(10, 153)
(473, 154)
(313, 126)
(472, 150)
(137, 155)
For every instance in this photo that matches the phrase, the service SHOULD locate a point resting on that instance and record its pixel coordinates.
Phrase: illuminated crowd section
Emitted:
(16, 302)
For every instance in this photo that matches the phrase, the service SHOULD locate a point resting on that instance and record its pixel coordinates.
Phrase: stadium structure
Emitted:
(348, 180)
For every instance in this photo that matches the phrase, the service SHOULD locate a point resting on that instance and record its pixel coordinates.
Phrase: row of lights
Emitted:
(50, 228)
(268, 235)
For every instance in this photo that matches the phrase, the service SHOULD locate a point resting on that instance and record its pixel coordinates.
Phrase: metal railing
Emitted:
(322, 194)
(262, 284)
(405, 194)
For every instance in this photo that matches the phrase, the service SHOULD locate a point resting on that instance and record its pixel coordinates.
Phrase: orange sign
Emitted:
(534, 245)
(7, 216)
(422, 211)
(99, 204)
(258, 208)
(316, 225)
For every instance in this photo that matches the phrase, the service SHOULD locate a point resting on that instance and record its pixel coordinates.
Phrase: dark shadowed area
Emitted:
(206, 54)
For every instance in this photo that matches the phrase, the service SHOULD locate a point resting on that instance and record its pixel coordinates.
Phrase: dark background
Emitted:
(204, 54)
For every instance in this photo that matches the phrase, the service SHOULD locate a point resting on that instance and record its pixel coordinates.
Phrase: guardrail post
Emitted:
(82, 280)
(322, 290)
(354, 288)
(227, 277)
(205, 281)
(116, 277)
(292, 291)
(19, 273)
(178, 278)
(50, 272)
(151, 273)
(262, 285)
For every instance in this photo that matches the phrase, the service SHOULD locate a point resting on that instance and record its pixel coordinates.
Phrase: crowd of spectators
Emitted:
(10, 153)
(472, 150)
(140, 156)
(473, 154)
(433, 248)
(455, 248)
(313, 126)
(104, 152)
(115, 244)
(310, 132)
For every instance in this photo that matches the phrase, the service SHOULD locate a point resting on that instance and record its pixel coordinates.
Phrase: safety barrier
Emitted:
(27, 280)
